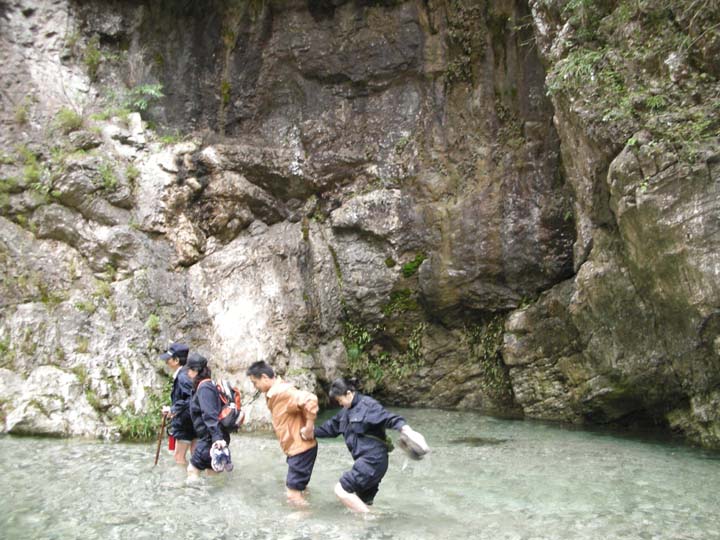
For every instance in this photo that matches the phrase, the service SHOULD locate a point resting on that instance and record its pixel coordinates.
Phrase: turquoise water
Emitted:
(486, 478)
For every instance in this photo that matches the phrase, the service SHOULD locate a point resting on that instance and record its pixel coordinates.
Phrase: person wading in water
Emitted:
(181, 426)
(205, 407)
(362, 422)
(291, 410)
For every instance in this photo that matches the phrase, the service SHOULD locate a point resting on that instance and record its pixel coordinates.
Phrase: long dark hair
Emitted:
(203, 374)
(342, 386)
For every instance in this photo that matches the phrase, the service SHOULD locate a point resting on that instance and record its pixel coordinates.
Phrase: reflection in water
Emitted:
(509, 480)
(477, 441)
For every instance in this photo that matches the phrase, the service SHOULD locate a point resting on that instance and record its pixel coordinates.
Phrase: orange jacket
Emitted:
(291, 409)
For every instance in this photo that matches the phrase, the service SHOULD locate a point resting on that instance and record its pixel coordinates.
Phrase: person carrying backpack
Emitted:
(181, 426)
(212, 452)
(362, 422)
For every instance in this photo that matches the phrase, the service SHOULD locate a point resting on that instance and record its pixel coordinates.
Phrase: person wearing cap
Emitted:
(292, 410)
(181, 426)
(362, 422)
(205, 407)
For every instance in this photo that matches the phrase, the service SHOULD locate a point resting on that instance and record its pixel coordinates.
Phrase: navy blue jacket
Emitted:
(205, 407)
(362, 425)
(180, 399)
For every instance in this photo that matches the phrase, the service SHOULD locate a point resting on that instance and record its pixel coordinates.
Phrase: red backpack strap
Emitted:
(221, 391)
(238, 397)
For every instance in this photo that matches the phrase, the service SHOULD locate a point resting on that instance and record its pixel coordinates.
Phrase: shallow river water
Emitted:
(486, 478)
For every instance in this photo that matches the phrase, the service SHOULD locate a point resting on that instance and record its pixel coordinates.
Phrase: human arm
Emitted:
(183, 395)
(377, 415)
(209, 402)
(305, 404)
(330, 428)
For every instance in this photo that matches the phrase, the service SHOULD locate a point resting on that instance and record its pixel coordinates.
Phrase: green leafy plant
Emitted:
(655, 103)
(485, 341)
(367, 360)
(356, 338)
(409, 269)
(112, 310)
(81, 373)
(21, 113)
(132, 173)
(142, 95)
(401, 144)
(50, 297)
(125, 378)
(9, 185)
(82, 345)
(109, 180)
(466, 43)
(85, 306)
(153, 323)
(144, 425)
(67, 120)
(93, 399)
(400, 302)
(32, 170)
(575, 69)
(225, 89)
(92, 57)
(102, 289)
(71, 40)
(110, 272)
(171, 138)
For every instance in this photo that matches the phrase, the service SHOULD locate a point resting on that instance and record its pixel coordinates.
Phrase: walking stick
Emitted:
(160, 438)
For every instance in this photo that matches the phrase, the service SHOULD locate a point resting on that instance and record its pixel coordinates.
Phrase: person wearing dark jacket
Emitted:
(362, 421)
(205, 406)
(181, 427)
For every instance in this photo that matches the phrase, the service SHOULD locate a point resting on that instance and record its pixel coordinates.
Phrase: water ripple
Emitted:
(486, 479)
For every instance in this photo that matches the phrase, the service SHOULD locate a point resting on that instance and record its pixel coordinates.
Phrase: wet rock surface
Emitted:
(419, 194)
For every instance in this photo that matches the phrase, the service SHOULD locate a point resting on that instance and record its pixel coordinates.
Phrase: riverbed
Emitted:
(486, 478)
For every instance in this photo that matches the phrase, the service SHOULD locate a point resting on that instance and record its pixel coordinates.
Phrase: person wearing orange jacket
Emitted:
(292, 410)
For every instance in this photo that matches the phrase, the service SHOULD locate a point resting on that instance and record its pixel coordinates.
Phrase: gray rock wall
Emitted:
(631, 338)
(391, 189)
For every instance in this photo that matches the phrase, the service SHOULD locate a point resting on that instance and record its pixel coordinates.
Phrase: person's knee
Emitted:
(192, 470)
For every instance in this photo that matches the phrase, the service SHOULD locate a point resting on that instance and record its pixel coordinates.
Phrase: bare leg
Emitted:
(181, 449)
(193, 473)
(296, 497)
(352, 501)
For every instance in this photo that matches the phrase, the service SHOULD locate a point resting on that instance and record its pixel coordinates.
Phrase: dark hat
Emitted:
(175, 350)
(196, 361)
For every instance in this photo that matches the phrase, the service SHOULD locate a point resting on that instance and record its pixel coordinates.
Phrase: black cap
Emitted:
(175, 350)
(196, 362)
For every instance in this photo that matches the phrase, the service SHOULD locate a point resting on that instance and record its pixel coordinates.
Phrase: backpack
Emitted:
(230, 405)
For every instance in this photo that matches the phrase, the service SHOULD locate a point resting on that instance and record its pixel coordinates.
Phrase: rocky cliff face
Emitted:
(467, 204)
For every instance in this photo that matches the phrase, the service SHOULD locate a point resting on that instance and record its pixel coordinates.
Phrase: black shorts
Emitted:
(365, 476)
(300, 468)
(200, 458)
(183, 435)
(182, 428)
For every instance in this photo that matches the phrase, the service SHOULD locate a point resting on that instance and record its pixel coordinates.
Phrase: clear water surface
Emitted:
(486, 479)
